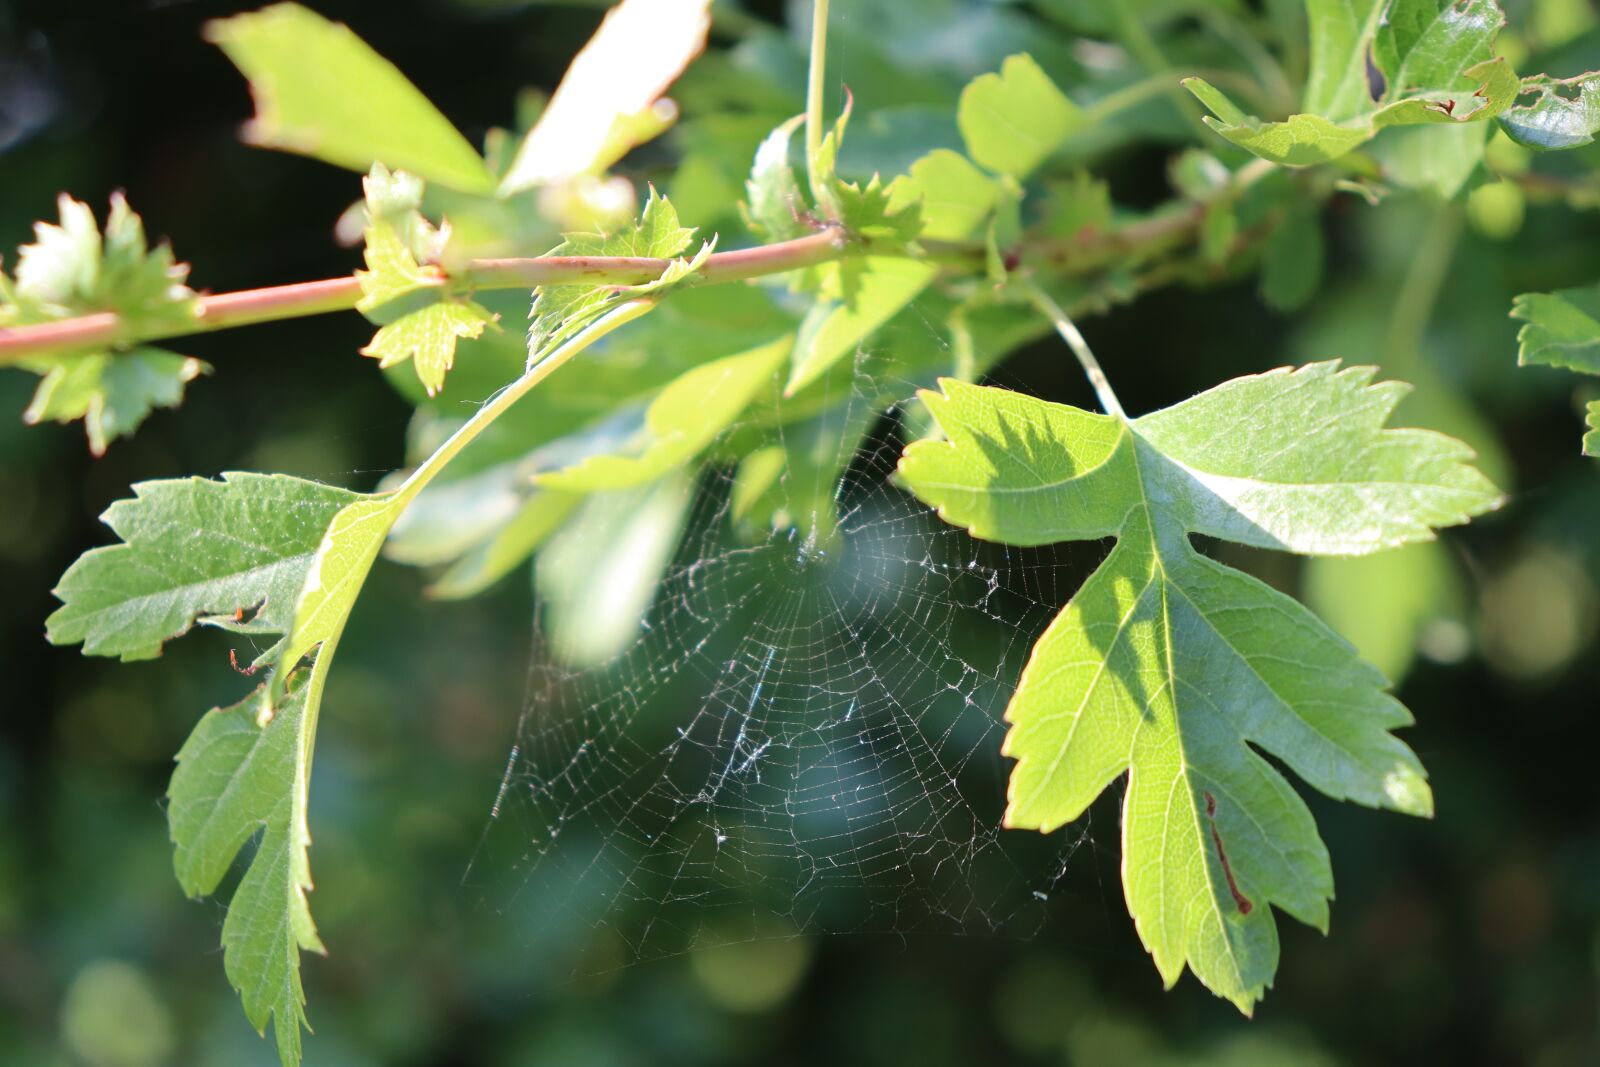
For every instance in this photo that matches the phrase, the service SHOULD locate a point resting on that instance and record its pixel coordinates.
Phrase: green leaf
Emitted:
(195, 550)
(421, 315)
(240, 775)
(1433, 62)
(1170, 666)
(112, 394)
(955, 200)
(71, 270)
(598, 576)
(333, 581)
(1565, 113)
(686, 417)
(775, 208)
(560, 311)
(609, 99)
(1562, 329)
(1014, 120)
(321, 91)
(428, 339)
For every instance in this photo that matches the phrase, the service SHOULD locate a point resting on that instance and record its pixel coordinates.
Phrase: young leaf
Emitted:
(421, 315)
(609, 99)
(1562, 329)
(238, 777)
(112, 393)
(1014, 120)
(559, 311)
(775, 208)
(69, 270)
(954, 199)
(1170, 666)
(1432, 61)
(685, 418)
(248, 541)
(322, 91)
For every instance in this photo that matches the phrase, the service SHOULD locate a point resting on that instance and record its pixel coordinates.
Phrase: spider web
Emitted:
(800, 739)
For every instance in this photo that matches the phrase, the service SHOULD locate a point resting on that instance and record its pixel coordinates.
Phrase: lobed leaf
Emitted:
(1431, 62)
(1174, 668)
(72, 269)
(1562, 329)
(239, 776)
(1015, 119)
(954, 200)
(322, 91)
(195, 550)
(421, 316)
(559, 311)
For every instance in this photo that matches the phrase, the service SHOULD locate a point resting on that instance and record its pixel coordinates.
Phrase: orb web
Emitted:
(803, 736)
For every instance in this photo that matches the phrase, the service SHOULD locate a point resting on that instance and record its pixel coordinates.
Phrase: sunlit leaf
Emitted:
(610, 98)
(1014, 120)
(322, 91)
(1169, 666)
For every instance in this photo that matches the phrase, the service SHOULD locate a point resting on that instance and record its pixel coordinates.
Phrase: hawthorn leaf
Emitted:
(559, 311)
(72, 269)
(420, 315)
(1562, 329)
(1170, 666)
(111, 393)
(1432, 62)
(345, 555)
(1015, 119)
(775, 209)
(610, 97)
(322, 91)
(686, 417)
(954, 201)
(1565, 113)
(238, 778)
(428, 337)
(195, 549)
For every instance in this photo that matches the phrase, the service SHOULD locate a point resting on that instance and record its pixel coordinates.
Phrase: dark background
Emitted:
(1470, 939)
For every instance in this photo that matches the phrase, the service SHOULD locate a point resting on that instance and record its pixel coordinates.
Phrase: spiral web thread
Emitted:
(799, 740)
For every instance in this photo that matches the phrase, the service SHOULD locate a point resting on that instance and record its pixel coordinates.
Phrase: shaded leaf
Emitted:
(1562, 329)
(1432, 62)
(239, 777)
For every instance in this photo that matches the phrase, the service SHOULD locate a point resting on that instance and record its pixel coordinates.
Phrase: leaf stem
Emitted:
(498, 404)
(816, 87)
(1080, 348)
